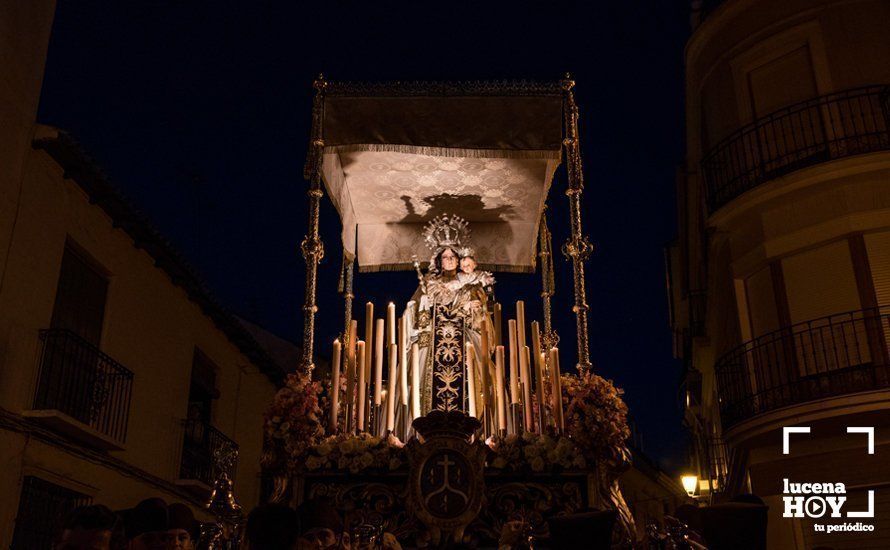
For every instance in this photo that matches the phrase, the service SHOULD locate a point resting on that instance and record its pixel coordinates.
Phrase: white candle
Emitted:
(514, 365)
(335, 387)
(362, 390)
(497, 324)
(556, 389)
(499, 388)
(415, 380)
(369, 338)
(471, 382)
(536, 338)
(540, 362)
(350, 376)
(391, 388)
(479, 371)
(391, 323)
(539, 389)
(525, 376)
(378, 362)
(520, 324)
(403, 360)
(381, 425)
(482, 364)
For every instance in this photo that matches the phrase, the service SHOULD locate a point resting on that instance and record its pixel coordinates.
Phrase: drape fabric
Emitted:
(391, 164)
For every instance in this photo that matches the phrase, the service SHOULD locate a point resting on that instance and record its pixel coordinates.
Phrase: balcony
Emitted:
(828, 357)
(81, 391)
(826, 128)
(201, 446)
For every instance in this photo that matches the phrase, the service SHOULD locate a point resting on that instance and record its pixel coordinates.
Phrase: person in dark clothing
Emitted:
(93, 527)
(272, 527)
(182, 529)
(147, 525)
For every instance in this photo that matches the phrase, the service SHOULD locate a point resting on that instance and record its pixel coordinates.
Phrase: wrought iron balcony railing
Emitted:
(827, 357)
(201, 448)
(77, 379)
(826, 128)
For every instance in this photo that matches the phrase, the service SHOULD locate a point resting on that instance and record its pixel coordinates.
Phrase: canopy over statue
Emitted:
(450, 179)
(395, 156)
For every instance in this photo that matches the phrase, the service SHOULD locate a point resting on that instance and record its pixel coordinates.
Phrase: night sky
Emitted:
(199, 112)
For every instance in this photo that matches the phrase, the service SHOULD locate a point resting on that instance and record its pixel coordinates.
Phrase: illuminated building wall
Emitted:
(119, 376)
(779, 281)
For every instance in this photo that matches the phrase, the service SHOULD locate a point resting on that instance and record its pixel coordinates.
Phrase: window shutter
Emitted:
(80, 298)
(820, 282)
(761, 303)
(878, 247)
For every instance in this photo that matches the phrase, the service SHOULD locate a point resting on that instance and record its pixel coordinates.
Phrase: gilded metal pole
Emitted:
(346, 278)
(577, 248)
(312, 247)
(545, 253)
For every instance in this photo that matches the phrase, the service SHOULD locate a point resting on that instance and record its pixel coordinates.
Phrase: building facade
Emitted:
(650, 493)
(120, 378)
(779, 281)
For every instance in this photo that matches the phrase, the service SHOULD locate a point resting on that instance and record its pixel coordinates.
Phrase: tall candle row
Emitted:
(504, 389)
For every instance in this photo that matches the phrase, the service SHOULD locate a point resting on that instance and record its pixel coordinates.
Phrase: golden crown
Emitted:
(446, 231)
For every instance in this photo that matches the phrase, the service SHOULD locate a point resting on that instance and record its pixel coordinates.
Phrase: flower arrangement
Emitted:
(595, 417)
(536, 453)
(596, 431)
(293, 422)
(355, 453)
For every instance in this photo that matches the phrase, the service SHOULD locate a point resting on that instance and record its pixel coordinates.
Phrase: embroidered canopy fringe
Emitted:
(446, 152)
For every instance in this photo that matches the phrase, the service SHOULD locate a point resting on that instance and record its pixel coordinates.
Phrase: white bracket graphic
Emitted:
(870, 513)
(787, 431)
(870, 430)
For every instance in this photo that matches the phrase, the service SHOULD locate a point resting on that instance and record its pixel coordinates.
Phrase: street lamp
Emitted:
(690, 484)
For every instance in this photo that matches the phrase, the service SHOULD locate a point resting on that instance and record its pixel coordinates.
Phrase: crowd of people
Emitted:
(155, 525)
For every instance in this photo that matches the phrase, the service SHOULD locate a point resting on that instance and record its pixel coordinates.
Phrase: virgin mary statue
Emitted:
(448, 310)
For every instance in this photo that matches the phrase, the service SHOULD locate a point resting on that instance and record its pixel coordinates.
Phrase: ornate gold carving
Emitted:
(367, 502)
(313, 249)
(577, 248)
(549, 337)
(448, 360)
(446, 482)
(531, 502)
(423, 319)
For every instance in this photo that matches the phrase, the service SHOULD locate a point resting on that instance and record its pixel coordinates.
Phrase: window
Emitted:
(202, 388)
(201, 440)
(43, 507)
(71, 365)
(80, 297)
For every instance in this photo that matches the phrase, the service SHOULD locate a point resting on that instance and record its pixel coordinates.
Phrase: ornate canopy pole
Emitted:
(577, 248)
(347, 274)
(545, 253)
(312, 247)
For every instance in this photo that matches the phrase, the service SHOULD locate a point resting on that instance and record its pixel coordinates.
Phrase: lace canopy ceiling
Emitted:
(391, 164)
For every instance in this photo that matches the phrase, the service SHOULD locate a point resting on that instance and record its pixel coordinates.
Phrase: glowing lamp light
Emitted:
(689, 484)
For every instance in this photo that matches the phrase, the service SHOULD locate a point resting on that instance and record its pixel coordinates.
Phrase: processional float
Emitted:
(451, 396)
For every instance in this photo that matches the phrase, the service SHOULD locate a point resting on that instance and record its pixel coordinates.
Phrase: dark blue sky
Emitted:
(199, 112)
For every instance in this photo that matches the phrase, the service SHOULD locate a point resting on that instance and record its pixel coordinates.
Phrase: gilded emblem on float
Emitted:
(446, 481)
